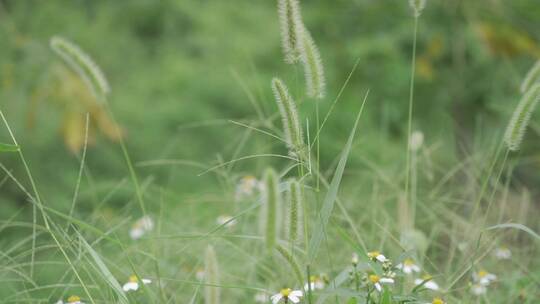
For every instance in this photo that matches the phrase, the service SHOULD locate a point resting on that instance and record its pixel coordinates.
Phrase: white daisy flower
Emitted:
(417, 139)
(71, 300)
(287, 295)
(133, 283)
(261, 297)
(377, 256)
(483, 277)
(429, 284)
(408, 266)
(478, 289)
(226, 220)
(315, 282)
(246, 187)
(140, 227)
(378, 281)
(502, 253)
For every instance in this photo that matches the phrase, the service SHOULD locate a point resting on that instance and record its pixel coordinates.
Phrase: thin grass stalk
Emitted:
(211, 277)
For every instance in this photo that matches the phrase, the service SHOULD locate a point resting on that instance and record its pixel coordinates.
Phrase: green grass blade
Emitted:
(8, 148)
(516, 226)
(105, 272)
(330, 198)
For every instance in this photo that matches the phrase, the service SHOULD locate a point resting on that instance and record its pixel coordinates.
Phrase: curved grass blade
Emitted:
(330, 198)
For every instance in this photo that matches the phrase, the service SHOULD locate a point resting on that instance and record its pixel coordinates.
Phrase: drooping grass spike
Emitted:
(83, 65)
(313, 67)
(270, 217)
(520, 119)
(211, 277)
(289, 15)
(532, 78)
(289, 116)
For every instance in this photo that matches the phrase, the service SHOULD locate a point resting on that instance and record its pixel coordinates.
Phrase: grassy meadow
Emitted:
(279, 151)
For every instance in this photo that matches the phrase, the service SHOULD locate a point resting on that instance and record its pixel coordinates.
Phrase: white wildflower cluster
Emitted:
(247, 187)
(480, 282)
(141, 227)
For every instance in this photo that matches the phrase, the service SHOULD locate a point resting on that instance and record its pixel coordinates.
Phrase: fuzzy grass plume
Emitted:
(289, 116)
(294, 210)
(211, 277)
(313, 67)
(289, 16)
(83, 64)
(532, 78)
(520, 119)
(271, 208)
(417, 6)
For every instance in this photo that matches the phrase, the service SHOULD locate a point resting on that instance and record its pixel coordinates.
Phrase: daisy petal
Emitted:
(276, 298)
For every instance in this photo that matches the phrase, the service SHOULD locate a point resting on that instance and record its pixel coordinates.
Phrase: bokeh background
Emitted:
(181, 70)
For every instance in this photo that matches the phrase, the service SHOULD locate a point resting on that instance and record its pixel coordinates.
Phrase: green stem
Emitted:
(409, 123)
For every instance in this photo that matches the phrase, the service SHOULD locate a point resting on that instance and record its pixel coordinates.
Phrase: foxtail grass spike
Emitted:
(313, 67)
(532, 78)
(83, 64)
(289, 16)
(289, 116)
(270, 218)
(211, 277)
(520, 119)
(294, 212)
(289, 258)
(417, 6)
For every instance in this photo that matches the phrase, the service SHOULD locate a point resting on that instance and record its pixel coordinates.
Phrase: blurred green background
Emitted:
(180, 70)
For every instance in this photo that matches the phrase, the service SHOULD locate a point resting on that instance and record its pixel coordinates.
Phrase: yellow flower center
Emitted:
(426, 277)
(374, 278)
(73, 299)
(437, 301)
(133, 279)
(482, 273)
(373, 254)
(408, 262)
(285, 292)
